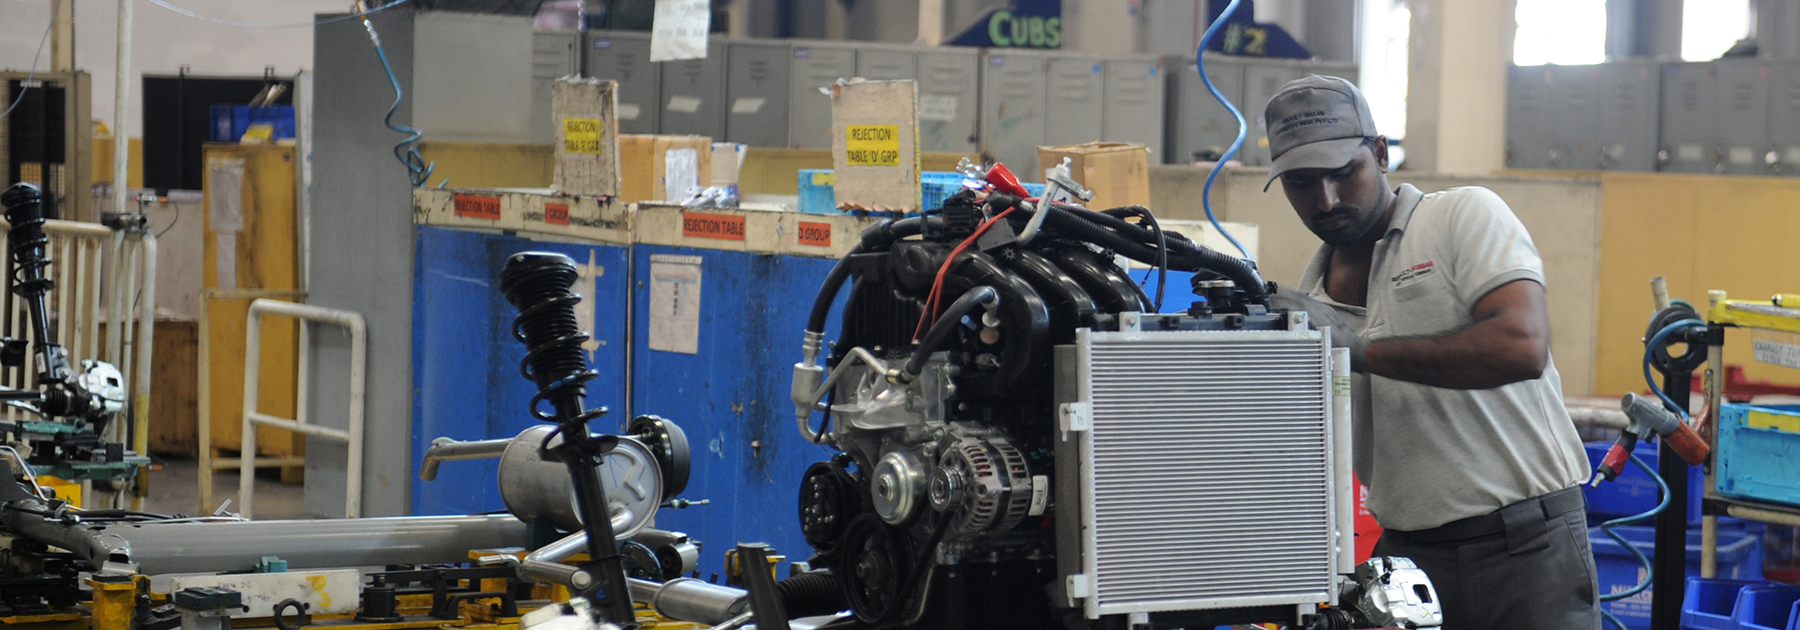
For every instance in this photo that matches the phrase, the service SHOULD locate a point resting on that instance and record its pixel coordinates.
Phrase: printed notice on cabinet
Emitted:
(675, 303)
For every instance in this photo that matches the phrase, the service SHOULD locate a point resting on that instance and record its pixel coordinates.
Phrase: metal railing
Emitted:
(353, 435)
(103, 276)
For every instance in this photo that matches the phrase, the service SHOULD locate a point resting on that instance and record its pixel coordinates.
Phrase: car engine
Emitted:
(965, 393)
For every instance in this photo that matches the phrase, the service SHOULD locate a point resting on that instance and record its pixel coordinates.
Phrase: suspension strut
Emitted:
(537, 283)
(26, 243)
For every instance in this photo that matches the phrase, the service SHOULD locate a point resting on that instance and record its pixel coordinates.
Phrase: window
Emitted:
(1710, 27)
(1387, 26)
(1563, 32)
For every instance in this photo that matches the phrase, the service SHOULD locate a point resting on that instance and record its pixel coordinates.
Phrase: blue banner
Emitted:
(1023, 24)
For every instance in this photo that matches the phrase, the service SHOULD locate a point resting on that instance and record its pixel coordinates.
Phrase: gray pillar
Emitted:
(1777, 29)
(1331, 28)
(1646, 28)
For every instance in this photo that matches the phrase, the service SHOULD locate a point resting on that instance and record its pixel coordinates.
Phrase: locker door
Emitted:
(815, 65)
(625, 58)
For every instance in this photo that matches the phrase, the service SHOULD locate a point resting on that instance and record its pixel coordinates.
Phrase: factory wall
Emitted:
(1735, 234)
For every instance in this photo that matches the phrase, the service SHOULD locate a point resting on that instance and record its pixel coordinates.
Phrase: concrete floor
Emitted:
(175, 489)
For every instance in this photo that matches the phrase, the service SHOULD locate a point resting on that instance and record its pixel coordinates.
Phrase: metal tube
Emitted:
(1341, 409)
(122, 109)
(140, 404)
(447, 450)
(214, 547)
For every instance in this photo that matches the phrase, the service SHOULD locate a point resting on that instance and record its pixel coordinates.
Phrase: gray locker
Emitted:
(887, 63)
(949, 107)
(1196, 122)
(693, 94)
(1133, 108)
(1574, 120)
(1686, 122)
(815, 65)
(625, 57)
(756, 92)
(1074, 110)
(1262, 78)
(1527, 113)
(554, 54)
(1012, 109)
(1627, 111)
(1784, 116)
(1741, 115)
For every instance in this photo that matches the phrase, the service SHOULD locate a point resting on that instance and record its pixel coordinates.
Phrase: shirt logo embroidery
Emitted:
(1414, 274)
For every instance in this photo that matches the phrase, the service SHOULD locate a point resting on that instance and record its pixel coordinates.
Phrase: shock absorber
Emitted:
(26, 242)
(538, 283)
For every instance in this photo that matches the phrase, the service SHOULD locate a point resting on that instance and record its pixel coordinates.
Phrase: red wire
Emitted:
(937, 286)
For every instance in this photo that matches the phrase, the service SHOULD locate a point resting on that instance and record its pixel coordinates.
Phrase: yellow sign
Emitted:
(581, 135)
(872, 145)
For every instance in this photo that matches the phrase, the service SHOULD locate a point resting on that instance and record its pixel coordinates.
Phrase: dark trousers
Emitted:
(1535, 574)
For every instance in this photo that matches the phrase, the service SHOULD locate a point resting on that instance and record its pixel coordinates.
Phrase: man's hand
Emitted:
(1323, 316)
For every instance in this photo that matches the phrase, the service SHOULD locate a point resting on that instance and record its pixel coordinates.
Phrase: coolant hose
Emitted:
(1093, 227)
(982, 295)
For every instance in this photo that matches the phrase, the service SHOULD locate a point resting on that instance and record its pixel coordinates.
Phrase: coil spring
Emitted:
(538, 283)
(27, 240)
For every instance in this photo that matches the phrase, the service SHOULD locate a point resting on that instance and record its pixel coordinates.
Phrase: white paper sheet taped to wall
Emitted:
(678, 30)
(225, 215)
(675, 303)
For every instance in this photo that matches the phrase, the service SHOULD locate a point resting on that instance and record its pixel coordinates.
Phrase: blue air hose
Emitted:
(1243, 129)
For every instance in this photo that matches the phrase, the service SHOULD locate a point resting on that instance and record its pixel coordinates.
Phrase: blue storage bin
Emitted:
(1766, 607)
(816, 188)
(1708, 603)
(1619, 570)
(1759, 452)
(229, 122)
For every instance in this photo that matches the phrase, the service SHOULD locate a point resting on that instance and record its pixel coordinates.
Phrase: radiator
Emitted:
(1206, 471)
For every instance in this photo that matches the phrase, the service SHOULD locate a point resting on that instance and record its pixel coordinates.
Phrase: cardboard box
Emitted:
(875, 145)
(645, 161)
(727, 159)
(587, 137)
(1118, 173)
(532, 211)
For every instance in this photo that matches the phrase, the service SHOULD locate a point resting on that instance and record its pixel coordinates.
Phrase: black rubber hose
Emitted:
(873, 238)
(811, 594)
(1076, 222)
(982, 295)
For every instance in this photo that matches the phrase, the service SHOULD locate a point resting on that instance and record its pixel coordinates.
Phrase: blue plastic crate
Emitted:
(817, 190)
(229, 122)
(1708, 603)
(1619, 571)
(1759, 452)
(1766, 607)
(1635, 492)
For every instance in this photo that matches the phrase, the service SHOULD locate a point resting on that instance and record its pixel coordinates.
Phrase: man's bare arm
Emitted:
(1509, 342)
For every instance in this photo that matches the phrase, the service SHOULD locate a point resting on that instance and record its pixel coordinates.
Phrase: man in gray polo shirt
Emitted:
(1460, 433)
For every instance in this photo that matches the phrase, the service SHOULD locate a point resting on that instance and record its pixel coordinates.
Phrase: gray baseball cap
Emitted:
(1316, 122)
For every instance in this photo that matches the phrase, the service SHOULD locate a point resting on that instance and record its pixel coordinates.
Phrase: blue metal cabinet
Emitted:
(732, 396)
(466, 383)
